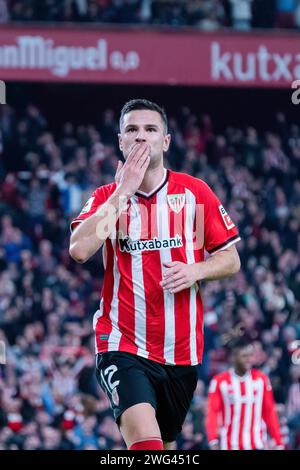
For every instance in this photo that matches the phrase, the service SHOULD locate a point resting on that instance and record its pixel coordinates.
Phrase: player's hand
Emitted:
(130, 175)
(179, 276)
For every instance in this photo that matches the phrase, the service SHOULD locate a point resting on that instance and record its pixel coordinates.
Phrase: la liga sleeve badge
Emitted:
(226, 219)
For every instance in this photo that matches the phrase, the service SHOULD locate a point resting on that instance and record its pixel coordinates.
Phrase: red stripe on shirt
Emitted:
(126, 317)
(103, 325)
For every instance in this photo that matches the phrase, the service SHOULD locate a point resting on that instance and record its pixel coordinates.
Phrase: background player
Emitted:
(241, 405)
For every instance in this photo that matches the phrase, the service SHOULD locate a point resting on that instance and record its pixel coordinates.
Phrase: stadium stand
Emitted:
(202, 14)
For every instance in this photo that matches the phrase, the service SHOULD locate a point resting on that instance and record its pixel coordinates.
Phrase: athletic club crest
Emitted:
(176, 202)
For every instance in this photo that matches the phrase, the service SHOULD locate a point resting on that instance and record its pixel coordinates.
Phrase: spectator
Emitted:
(204, 14)
(285, 13)
(241, 14)
(4, 14)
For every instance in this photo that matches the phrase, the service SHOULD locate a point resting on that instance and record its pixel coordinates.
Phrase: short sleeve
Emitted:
(220, 231)
(98, 197)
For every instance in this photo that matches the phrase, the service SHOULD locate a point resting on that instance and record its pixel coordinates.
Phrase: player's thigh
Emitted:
(139, 423)
(124, 380)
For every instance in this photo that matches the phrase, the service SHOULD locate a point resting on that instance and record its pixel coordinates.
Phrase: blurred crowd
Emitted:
(49, 398)
(203, 14)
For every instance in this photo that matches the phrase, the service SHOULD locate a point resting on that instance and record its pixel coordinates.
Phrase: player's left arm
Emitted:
(269, 414)
(220, 236)
(179, 276)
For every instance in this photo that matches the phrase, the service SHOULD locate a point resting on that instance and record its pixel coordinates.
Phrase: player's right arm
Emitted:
(91, 233)
(214, 405)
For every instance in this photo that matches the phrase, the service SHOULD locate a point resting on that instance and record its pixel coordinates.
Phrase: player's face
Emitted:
(243, 358)
(144, 126)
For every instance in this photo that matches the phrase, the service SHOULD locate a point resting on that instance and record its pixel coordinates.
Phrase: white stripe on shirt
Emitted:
(249, 403)
(115, 335)
(138, 282)
(258, 413)
(234, 438)
(163, 228)
(190, 208)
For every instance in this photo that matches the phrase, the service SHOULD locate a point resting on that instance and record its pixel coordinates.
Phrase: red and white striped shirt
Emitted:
(239, 409)
(176, 222)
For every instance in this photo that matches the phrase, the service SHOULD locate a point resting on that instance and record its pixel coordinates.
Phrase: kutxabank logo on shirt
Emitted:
(142, 222)
(134, 246)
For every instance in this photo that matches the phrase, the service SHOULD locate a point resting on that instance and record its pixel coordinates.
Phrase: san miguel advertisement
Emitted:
(149, 57)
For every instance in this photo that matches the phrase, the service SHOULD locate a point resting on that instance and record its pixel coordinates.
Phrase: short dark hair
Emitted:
(240, 343)
(141, 103)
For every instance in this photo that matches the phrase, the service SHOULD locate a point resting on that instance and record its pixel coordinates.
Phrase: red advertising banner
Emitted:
(149, 57)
